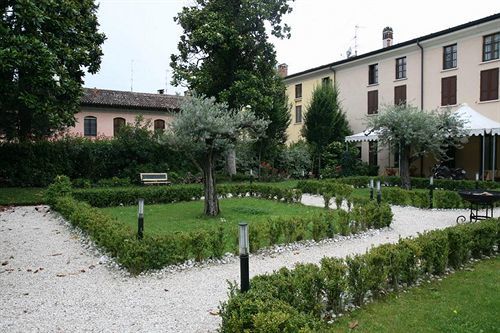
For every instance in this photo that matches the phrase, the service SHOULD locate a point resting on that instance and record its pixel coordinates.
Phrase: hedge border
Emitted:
(296, 300)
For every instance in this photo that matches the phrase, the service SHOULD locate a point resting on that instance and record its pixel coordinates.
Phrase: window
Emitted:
(401, 68)
(90, 126)
(298, 90)
(298, 114)
(159, 125)
(450, 56)
(373, 74)
(373, 102)
(400, 95)
(372, 153)
(489, 85)
(449, 90)
(326, 81)
(491, 46)
(118, 123)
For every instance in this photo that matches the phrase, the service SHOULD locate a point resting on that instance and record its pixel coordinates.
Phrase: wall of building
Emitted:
(309, 82)
(352, 80)
(105, 118)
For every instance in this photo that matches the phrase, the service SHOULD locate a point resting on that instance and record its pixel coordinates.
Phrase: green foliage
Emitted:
(204, 130)
(37, 163)
(308, 290)
(295, 159)
(448, 199)
(224, 53)
(45, 50)
(217, 241)
(325, 120)
(61, 187)
(333, 272)
(416, 133)
(342, 162)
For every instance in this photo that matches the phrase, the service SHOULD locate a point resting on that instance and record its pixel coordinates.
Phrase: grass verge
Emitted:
(467, 301)
(21, 196)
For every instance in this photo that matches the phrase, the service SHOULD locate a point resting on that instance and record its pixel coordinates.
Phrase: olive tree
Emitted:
(204, 130)
(416, 133)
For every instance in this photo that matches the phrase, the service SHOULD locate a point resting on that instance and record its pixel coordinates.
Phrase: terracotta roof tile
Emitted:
(127, 99)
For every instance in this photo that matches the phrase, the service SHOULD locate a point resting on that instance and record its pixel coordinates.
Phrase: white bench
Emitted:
(154, 178)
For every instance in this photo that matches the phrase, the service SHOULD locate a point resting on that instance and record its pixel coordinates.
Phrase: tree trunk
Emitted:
(231, 162)
(405, 167)
(211, 199)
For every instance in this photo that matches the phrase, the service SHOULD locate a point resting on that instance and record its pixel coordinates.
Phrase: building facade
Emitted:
(443, 69)
(103, 112)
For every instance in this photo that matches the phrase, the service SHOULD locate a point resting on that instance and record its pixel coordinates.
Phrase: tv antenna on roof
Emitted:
(356, 32)
(132, 75)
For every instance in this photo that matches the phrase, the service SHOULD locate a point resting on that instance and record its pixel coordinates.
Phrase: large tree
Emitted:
(204, 130)
(45, 48)
(324, 120)
(416, 133)
(225, 53)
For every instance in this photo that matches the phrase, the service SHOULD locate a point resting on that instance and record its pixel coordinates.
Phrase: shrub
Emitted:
(358, 278)
(217, 241)
(448, 199)
(435, 250)
(333, 271)
(61, 187)
(459, 246)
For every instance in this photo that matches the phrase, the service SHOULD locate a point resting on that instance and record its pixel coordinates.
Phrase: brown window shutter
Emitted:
(373, 102)
(449, 90)
(494, 84)
(400, 95)
(489, 85)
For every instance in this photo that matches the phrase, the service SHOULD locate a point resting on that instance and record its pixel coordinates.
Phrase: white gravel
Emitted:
(51, 280)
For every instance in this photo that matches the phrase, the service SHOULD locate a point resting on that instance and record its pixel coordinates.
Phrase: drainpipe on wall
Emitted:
(421, 75)
(421, 95)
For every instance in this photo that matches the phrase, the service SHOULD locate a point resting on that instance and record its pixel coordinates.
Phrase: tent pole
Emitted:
(494, 136)
(482, 157)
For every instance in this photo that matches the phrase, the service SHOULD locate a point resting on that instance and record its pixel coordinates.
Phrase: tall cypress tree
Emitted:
(324, 120)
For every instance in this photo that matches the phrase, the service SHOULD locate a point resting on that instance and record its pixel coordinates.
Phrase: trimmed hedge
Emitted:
(311, 292)
(154, 252)
(36, 164)
(109, 197)
(391, 195)
(421, 183)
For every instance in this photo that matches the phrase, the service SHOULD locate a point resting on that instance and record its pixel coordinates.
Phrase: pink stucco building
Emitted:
(104, 111)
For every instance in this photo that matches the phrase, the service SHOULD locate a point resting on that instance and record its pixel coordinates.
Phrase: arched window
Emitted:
(159, 125)
(117, 124)
(90, 126)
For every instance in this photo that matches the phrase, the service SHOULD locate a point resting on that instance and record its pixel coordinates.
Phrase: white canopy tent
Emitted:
(475, 124)
(478, 125)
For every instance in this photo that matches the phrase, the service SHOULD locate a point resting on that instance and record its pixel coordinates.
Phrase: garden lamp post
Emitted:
(140, 219)
(431, 192)
(244, 264)
(379, 192)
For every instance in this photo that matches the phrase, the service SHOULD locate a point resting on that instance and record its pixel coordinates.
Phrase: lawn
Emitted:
(21, 196)
(467, 301)
(188, 216)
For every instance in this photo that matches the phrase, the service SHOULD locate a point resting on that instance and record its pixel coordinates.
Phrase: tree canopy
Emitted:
(225, 53)
(204, 130)
(416, 133)
(45, 48)
(324, 120)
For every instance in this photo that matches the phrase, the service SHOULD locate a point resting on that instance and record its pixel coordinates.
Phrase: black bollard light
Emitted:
(477, 180)
(244, 264)
(251, 176)
(371, 189)
(140, 220)
(431, 192)
(379, 192)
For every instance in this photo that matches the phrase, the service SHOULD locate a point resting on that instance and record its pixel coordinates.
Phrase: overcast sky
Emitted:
(141, 34)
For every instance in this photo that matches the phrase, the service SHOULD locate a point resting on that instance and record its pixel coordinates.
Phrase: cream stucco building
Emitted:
(443, 69)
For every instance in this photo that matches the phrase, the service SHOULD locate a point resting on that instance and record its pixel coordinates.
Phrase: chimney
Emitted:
(161, 91)
(387, 36)
(283, 70)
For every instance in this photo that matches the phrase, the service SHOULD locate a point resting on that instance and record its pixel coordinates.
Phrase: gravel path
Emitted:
(49, 282)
